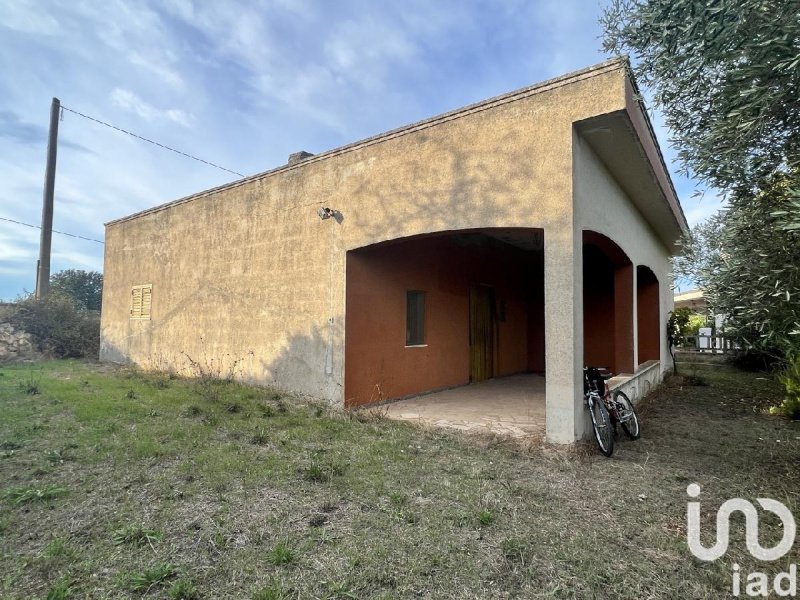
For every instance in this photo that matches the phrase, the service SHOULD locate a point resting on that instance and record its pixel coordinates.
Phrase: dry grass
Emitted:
(328, 505)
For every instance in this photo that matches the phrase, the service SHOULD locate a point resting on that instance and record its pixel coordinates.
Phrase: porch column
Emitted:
(623, 319)
(563, 316)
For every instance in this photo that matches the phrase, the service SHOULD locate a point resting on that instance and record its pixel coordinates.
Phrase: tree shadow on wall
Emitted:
(462, 187)
(309, 363)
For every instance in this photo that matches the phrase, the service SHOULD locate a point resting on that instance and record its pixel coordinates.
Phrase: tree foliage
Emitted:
(747, 259)
(85, 287)
(726, 76)
(678, 325)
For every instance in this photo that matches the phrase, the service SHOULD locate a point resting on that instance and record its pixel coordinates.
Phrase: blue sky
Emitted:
(243, 84)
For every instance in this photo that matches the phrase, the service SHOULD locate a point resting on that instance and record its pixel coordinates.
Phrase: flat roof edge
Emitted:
(543, 86)
(670, 193)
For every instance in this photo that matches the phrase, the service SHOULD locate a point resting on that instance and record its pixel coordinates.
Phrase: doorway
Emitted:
(482, 332)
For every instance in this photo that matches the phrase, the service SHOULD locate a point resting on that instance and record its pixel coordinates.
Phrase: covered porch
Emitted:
(512, 406)
(450, 329)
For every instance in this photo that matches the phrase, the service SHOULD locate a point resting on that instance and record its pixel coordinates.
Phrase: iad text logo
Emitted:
(757, 584)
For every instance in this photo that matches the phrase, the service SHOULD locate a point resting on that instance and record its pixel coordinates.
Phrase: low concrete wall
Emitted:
(637, 386)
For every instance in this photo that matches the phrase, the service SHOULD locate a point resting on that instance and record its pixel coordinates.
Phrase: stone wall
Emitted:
(15, 344)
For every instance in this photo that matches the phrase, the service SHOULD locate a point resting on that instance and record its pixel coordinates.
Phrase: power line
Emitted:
(150, 141)
(80, 237)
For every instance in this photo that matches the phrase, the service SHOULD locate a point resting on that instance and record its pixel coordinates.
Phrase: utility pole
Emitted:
(43, 266)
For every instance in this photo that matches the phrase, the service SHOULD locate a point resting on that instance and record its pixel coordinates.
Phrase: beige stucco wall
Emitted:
(250, 274)
(602, 206)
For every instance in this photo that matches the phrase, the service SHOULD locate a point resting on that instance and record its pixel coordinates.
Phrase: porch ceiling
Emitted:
(614, 139)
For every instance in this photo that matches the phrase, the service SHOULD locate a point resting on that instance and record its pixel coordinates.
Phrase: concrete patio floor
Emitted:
(512, 406)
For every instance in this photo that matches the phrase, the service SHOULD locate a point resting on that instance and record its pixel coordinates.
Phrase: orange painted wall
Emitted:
(648, 317)
(623, 319)
(378, 366)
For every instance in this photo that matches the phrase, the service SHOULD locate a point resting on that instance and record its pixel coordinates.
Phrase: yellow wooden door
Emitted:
(481, 333)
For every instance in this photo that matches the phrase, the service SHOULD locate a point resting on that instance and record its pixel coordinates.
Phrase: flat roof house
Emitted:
(527, 233)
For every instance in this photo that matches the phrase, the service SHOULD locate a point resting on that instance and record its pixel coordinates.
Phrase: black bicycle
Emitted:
(606, 411)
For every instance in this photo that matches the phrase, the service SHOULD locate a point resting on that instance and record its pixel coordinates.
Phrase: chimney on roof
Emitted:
(296, 157)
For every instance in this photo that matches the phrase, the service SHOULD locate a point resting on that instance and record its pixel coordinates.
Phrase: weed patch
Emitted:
(281, 554)
(25, 495)
(63, 590)
(135, 535)
(183, 589)
(151, 577)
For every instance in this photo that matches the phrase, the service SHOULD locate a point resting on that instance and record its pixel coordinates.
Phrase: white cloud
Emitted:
(129, 101)
(27, 16)
(163, 67)
(241, 83)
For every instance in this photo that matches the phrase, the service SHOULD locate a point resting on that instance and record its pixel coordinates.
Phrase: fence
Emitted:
(709, 343)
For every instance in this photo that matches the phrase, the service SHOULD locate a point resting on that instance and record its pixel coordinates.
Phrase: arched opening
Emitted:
(648, 318)
(607, 304)
(442, 310)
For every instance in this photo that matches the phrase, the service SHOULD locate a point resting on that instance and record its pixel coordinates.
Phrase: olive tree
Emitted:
(726, 76)
(747, 259)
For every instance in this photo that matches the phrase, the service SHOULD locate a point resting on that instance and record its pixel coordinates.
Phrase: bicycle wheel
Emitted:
(627, 415)
(601, 423)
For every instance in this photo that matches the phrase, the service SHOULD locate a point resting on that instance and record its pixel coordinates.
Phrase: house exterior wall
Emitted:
(247, 280)
(602, 206)
(381, 365)
(250, 272)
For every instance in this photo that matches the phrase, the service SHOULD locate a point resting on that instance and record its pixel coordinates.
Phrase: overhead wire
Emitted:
(149, 141)
(73, 235)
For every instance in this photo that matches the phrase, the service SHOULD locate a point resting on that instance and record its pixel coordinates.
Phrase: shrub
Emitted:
(60, 326)
(790, 379)
(757, 360)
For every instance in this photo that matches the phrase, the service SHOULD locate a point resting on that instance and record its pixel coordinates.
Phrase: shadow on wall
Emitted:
(310, 363)
(478, 184)
(307, 364)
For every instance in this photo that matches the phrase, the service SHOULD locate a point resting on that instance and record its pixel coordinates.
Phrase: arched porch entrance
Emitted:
(648, 317)
(607, 304)
(443, 310)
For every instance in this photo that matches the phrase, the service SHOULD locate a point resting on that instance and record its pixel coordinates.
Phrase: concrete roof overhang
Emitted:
(625, 142)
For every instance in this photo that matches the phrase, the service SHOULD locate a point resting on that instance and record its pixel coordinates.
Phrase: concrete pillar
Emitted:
(636, 361)
(563, 317)
(623, 319)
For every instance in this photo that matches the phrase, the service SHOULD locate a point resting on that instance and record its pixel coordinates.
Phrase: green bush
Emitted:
(790, 379)
(60, 326)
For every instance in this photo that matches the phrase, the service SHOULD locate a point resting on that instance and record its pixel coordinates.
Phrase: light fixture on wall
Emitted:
(326, 213)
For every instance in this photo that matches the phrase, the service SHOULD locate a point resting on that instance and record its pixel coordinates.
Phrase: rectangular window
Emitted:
(141, 300)
(415, 318)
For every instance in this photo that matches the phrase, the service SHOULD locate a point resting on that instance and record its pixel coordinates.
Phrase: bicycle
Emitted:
(607, 411)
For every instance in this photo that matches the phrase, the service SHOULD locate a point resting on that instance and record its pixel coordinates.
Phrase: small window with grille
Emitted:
(141, 300)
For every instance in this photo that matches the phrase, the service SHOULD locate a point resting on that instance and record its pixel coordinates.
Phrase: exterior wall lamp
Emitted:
(326, 213)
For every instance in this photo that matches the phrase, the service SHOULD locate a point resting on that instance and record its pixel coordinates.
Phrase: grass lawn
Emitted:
(118, 484)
